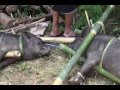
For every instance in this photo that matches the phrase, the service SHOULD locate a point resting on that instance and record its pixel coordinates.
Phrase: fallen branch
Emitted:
(31, 19)
(22, 27)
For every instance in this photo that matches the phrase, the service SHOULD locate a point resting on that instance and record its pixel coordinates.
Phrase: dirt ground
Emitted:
(43, 71)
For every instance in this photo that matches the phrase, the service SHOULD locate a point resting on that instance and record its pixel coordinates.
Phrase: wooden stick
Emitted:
(31, 19)
(86, 14)
(58, 39)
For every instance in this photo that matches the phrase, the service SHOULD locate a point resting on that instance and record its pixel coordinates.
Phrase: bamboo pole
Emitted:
(66, 49)
(107, 74)
(75, 58)
(97, 68)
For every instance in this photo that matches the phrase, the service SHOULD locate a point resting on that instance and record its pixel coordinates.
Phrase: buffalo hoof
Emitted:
(76, 80)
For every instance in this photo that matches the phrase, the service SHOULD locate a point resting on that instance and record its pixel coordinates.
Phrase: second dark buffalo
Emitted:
(29, 45)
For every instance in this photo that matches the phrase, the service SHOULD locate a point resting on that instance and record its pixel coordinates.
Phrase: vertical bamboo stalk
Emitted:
(75, 58)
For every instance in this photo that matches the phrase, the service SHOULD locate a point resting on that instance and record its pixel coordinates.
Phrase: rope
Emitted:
(101, 61)
(21, 45)
(1, 37)
(102, 25)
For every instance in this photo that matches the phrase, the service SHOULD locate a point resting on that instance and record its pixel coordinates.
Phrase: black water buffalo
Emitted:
(94, 54)
(29, 45)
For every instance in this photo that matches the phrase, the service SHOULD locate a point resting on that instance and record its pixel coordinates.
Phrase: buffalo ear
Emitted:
(75, 44)
(78, 40)
(34, 38)
(26, 36)
(85, 32)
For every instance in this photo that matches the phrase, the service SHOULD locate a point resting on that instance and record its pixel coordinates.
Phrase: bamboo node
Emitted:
(93, 32)
(102, 25)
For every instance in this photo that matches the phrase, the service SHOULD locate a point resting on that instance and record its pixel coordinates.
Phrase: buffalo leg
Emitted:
(8, 61)
(92, 60)
(2, 54)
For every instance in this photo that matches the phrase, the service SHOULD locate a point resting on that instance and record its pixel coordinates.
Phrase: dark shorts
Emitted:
(65, 8)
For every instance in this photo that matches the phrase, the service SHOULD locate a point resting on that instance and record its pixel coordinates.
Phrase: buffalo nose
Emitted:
(46, 48)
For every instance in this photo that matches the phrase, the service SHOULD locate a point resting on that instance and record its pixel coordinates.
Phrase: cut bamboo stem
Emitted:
(66, 49)
(13, 54)
(58, 39)
(77, 31)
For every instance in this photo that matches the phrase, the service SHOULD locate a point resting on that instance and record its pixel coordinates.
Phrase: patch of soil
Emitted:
(43, 71)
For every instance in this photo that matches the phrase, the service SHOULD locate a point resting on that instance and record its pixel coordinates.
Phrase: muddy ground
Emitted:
(43, 71)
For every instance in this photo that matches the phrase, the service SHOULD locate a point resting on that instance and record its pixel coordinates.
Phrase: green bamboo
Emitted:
(62, 76)
(77, 31)
(107, 74)
(97, 68)
(66, 49)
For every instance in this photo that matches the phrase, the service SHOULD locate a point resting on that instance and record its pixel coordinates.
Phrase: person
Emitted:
(68, 11)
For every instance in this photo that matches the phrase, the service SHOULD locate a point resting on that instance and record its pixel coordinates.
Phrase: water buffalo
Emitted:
(29, 45)
(94, 54)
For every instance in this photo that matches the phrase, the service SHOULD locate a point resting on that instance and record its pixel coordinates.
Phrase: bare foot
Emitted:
(69, 33)
(55, 32)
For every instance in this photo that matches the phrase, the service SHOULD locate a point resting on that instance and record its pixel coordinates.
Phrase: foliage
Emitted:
(94, 13)
(113, 22)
